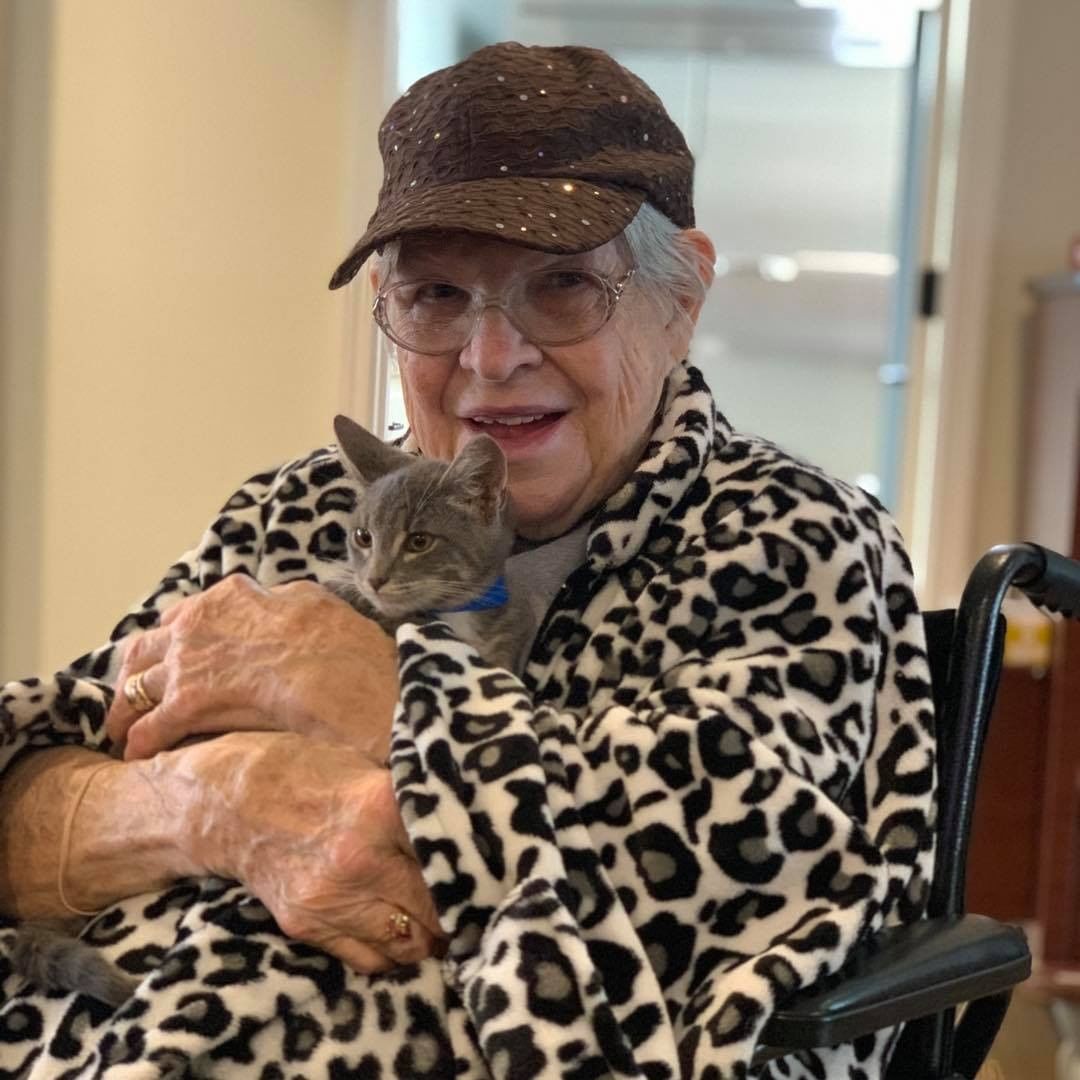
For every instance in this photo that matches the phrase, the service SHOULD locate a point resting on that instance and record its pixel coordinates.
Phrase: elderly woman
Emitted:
(713, 775)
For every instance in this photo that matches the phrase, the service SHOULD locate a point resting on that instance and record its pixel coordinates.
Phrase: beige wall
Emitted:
(204, 165)
(24, 92)
(1038, 210)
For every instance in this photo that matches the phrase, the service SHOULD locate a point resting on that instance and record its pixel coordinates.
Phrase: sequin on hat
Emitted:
(515, 132)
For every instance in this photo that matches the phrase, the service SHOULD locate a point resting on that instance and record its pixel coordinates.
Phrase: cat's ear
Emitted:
(478, 476)
(364, 455)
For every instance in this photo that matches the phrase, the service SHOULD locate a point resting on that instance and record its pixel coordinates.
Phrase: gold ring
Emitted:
(398, 925)
(136, 694)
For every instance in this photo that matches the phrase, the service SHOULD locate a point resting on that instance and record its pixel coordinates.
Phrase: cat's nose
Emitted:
(376, 582)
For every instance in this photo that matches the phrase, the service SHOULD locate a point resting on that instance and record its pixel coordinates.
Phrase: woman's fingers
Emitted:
(410, 893)
(153, 680)
(404, 938)
(405, 883)
(145, 656)
(358, 927)
(166, 726)
(356, 955)
(233, 588)
(188, 671)
(391, 933)
(148, 649)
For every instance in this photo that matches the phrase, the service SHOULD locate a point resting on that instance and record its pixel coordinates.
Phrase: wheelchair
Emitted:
(921, 974)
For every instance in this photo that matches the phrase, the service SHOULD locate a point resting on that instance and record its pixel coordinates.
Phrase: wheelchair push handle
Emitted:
(1051, 581)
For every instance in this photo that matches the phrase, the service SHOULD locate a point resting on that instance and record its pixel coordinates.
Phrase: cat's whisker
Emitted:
(344, 584)
(443, 590)
(439, 583)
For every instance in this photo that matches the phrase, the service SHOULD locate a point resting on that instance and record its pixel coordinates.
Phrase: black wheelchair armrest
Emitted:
(901, 974)
(1055, 585)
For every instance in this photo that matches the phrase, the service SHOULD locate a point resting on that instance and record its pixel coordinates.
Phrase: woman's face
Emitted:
(595, 400)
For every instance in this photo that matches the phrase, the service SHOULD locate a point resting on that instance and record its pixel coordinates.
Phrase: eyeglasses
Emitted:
(555, 306)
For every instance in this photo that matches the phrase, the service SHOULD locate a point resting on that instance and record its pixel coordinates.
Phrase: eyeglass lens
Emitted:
(550, 307)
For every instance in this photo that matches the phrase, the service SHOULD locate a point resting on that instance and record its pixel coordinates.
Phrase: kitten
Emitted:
(428, 539)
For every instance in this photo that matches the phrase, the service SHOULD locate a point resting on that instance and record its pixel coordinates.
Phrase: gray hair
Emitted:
(669, 266)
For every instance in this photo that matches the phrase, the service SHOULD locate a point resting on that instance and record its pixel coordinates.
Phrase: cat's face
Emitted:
(425, 536)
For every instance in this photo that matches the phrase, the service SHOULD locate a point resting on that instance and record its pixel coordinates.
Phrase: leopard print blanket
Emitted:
(715, 776)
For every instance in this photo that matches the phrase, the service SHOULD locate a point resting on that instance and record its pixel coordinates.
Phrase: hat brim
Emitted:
(561, 215)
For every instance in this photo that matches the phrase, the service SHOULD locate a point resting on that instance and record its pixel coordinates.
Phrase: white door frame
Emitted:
(373, 71)
(949, 356)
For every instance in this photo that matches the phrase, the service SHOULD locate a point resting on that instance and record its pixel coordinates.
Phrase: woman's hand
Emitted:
(315, 833)
(239, 656)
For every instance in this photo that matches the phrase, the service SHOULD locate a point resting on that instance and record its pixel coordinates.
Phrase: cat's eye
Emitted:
(418, 541)
(362, 538)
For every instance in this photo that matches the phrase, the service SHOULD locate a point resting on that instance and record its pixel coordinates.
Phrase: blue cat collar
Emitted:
(495, 595)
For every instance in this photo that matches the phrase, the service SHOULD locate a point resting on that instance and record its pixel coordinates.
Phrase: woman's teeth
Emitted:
(511, 421)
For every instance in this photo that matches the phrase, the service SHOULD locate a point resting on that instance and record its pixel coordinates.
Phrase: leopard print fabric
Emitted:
(715, 776)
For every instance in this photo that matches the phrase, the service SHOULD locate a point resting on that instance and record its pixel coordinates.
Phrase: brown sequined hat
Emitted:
(552, 148)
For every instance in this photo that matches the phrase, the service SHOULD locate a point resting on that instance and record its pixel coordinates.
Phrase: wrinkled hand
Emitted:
(238, 656)
(313, 832)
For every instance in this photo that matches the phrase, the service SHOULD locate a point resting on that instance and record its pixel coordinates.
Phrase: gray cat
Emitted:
(426, 540)
(429, 539)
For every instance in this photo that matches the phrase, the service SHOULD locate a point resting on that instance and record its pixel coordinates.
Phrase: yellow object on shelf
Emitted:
(1029, 635)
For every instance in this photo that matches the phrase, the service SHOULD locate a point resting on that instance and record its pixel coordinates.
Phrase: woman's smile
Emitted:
(520, 433)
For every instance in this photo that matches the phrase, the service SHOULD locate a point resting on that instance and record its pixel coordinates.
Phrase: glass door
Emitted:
(807, 134)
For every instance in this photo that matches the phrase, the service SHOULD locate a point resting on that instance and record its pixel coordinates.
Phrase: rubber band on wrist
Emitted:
(65, 840)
